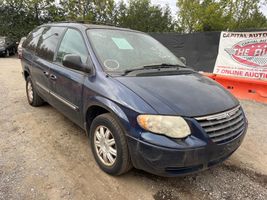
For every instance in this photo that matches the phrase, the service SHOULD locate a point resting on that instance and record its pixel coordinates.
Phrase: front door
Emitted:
(66, 83)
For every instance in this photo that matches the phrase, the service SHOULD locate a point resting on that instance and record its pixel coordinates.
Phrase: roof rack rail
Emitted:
(87, 22)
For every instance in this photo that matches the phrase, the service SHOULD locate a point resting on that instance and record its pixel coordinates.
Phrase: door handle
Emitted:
(53, 77)
(45, 73)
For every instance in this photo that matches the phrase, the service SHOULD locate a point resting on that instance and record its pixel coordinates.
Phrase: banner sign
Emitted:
(242, 54)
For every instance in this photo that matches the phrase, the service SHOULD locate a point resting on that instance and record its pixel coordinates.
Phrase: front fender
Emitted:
(110, 106)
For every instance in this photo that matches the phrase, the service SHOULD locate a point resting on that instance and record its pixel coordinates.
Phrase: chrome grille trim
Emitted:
(224, 126)
(220, 115)
(208, 123)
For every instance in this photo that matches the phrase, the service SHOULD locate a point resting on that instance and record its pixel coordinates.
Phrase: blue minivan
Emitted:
(139, 104)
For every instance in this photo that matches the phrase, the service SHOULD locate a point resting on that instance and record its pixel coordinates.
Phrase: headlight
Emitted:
(171, 126)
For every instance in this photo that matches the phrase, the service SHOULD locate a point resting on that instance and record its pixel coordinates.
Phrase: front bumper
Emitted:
(190, 155)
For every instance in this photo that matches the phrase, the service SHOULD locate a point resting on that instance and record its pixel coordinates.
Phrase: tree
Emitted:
(217, 15)
(89, 10)
(245, 14)
(18, 17)
(104, 11)
(120, 13)
(141, 15)
(188, 17)
(256, 21)
(15, 19)
(75, 10)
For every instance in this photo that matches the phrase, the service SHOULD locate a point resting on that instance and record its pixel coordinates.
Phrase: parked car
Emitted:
(7, 46)
(138, 103)
(20, 47)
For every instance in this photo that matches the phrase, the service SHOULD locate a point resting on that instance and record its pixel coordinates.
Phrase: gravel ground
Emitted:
(45, 156)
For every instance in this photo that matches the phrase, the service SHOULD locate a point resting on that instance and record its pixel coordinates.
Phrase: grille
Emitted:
(224, 126)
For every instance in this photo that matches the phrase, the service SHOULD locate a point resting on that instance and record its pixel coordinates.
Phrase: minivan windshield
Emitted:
(120, 51)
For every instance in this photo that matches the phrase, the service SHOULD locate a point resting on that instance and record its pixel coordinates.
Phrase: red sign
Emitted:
(250, 53)
(242, 54)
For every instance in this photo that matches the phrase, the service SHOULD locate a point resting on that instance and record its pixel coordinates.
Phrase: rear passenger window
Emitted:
(48, 42)
(32, 40)
(72, 43)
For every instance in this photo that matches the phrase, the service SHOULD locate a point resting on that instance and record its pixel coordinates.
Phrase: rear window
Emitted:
(48, 42)
(32, 40)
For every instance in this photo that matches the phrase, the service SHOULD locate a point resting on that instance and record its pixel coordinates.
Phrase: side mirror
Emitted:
(74, 61)
(183, 59)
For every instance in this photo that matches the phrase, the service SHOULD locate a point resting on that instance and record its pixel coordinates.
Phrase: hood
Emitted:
(189, 95)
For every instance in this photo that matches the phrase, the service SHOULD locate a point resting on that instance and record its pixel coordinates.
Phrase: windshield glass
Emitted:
(2, 40)
(125, 50)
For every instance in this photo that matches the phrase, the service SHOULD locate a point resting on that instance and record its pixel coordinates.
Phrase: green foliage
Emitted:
(141, 15)
(217, 15)
(18, 17)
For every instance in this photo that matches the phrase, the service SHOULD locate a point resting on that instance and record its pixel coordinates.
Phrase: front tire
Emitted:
(109, 145)
(33, 98)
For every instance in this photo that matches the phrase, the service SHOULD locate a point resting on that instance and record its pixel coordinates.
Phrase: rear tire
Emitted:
(109, 145)
(33, 98)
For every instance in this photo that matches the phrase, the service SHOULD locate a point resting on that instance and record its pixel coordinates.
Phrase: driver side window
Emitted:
(72, 43)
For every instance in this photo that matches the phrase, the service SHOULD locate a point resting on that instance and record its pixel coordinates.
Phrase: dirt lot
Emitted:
(45, 156)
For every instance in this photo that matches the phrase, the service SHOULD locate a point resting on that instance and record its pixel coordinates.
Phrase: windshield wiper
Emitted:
(155, 66)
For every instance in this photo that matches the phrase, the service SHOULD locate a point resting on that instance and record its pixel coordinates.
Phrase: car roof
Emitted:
(85, 26)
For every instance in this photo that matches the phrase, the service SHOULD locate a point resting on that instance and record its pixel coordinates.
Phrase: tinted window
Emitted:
(72, 43)
(32, 40)
(48, 42)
